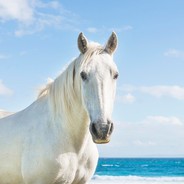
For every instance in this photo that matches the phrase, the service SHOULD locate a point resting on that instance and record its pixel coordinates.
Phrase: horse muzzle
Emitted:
(101, 132)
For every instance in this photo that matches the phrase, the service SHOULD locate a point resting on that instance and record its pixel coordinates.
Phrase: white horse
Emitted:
(53, 140)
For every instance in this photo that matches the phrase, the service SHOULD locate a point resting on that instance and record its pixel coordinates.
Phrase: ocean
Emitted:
(139, 171)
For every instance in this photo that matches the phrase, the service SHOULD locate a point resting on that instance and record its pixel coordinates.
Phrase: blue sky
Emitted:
(38, 38)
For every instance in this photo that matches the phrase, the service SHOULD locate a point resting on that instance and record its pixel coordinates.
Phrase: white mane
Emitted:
(65, 90)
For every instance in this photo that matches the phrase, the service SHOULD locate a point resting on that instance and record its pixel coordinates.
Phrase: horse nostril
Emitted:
(93, 129)
(99, 130)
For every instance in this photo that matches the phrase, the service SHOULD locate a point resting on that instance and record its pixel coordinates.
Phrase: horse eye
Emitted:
(115, 76)
(83, 75)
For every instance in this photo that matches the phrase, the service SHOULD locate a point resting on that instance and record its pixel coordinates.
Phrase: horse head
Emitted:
(98, 85)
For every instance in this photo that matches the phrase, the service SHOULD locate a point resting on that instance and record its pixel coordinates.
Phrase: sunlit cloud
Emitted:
(168, 91)
(127, 98)
(144, 143)
(164, 120)
(20, 10)
(150, 136)
(92, 29)
(4, 113)
(105, 29)
(4, 91)
(173, 91)
(175, 53)
(3, 56)
(34, 16)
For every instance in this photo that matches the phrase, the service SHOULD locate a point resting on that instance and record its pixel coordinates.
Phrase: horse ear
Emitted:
(111, 44)
(82, 43)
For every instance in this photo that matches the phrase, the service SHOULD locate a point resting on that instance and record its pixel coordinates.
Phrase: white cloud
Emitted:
(121, 29)
(128, 98)
(174, 91)
(174, 53)
(156, 136)
(164, 120)
(5, 91)
(23, 53)
(144, 143)
(159, 91)
(4, 113)
(92, 30)
(20, 10)
(127, 88)
(3, 56)
(105, 29)
(35, 15)
(127, 27)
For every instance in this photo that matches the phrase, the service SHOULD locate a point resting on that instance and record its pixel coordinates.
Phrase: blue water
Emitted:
(142, 167)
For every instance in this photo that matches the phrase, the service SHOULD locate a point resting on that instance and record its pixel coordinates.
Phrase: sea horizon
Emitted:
(144, 157)
(139, 170)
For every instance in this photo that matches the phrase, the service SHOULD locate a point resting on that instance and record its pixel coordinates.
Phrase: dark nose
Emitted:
(101, 131)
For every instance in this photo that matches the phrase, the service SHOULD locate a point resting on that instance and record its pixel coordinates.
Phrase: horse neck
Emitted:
(78, 127)
(67, 107)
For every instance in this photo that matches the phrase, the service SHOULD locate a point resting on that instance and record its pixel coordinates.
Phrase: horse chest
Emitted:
(75, 170)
